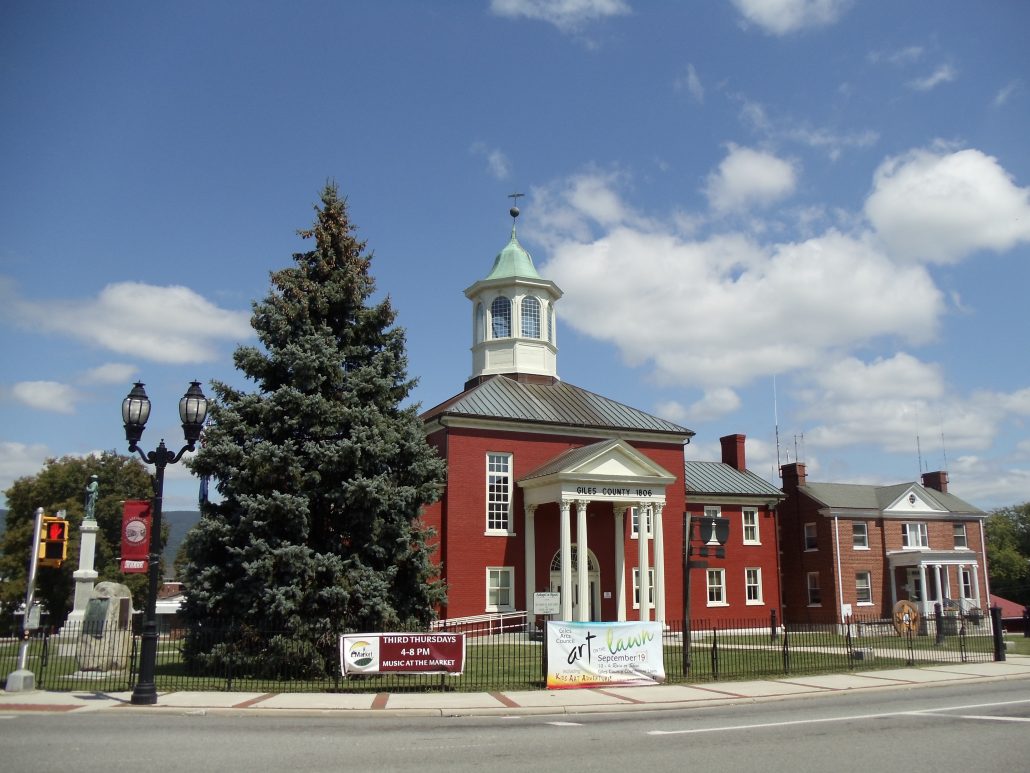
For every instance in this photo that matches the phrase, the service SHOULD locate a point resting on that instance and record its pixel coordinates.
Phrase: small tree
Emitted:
(1008, 552)
(322, 472)
(61, 485)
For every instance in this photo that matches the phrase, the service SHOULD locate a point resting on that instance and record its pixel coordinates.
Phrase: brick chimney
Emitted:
(938, 481)
(733, 451)
(793, 476)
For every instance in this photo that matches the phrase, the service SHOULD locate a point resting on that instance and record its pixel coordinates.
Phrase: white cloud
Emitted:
(943, 74)
(17, 460)
(715, 403)
(938, 207)
(163, 324)
(900, 402)
(110, 373)
(747, 178)
(691, 83)
(566, 15)
(1005, 93)
(722, 311)
(45, 396)
(497, 163)
(899, 56)
(780, 17)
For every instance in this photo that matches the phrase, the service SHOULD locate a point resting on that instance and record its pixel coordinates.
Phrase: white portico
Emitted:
(611, 471)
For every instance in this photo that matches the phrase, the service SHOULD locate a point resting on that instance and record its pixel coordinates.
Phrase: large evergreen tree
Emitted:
(61, 485)
(322, 472)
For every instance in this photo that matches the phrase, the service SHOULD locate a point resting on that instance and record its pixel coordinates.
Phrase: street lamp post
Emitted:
(717, 530)
(135, 412)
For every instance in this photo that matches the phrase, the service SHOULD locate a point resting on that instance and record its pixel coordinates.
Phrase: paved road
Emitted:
(979, 727)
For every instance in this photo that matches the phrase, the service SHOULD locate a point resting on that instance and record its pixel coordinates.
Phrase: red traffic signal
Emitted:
(53, 542)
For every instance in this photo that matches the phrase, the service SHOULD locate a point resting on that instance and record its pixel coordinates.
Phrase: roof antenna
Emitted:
(776, 423)
(944, 448)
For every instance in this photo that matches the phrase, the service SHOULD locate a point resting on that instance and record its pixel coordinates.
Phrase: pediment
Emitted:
(912, 501)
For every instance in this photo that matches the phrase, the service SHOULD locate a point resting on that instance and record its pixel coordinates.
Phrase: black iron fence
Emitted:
(273, 661)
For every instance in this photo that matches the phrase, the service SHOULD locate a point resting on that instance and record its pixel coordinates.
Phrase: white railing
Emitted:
(488, 624)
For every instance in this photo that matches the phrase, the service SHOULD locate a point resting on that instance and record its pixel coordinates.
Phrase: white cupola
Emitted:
(513, 321)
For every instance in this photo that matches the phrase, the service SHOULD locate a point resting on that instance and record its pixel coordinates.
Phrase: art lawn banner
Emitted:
(135, 536)
(595, 654)
(404, 653)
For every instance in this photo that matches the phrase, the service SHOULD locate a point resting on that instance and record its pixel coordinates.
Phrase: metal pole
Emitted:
(145, 691)
(30, 591)
(999, 634)
(686, 594)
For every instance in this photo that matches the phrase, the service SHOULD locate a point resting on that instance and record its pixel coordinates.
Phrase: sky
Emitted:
(807, 221)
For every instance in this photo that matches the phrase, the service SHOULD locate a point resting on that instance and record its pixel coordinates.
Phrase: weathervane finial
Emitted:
(514, 211)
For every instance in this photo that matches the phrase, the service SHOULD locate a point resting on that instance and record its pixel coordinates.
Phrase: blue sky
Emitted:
(818, 200)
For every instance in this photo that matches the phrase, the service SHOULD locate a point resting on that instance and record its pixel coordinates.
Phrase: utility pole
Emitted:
(22, 679)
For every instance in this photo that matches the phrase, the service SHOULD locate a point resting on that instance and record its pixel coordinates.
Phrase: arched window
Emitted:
(480, 323)
(500, 317)
(530, 317)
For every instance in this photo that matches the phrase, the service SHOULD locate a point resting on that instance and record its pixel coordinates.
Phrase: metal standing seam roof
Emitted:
(856, 496)
(559, 403)
(721, 478)
(513, 261)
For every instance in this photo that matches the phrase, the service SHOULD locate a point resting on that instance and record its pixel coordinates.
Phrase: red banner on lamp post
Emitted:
(135, 536)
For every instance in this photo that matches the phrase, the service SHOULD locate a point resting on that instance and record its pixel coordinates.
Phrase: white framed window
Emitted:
(498, 493)
(500, 317)
(914, 535)
(530, 317)
(860, 535)
(635, 523)
(750, 520)
(815, 594)
(811, 538)
(636, 587)
(959, 532)
(500, 588)
(717, 588)
(864, 588)
(753, 585)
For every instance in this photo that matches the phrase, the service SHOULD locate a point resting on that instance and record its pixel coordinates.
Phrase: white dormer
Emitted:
(513, 319)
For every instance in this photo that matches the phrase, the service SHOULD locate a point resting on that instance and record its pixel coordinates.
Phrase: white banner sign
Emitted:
(596, 654)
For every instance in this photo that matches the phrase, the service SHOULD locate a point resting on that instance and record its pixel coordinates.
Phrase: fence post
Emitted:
(999, 634)
(715, 654)
(1026, 622)
(786, 651)
(773, 633)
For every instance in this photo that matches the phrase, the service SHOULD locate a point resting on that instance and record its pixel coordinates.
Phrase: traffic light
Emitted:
(53, 542)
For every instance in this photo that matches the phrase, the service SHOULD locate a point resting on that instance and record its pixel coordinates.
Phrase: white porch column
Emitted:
(620, 562)
(530, 536)
(642, 562)
(976, 585)
(565, 546)
(922, 587)
(659, 564)
(582, 562)
(939, 579)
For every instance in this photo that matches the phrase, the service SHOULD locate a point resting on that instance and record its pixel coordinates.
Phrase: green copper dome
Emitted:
(513, 261)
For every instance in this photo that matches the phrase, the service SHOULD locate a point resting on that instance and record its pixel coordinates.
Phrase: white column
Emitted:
(938, 578)
(976, 585)
(923, 588)
(620, 562)
(565, 546)
(530, 536)
(84, 576)
(642, 562)
(582, 561)
(659, 564)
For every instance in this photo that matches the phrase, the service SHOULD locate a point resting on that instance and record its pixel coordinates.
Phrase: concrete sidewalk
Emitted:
(515, 702)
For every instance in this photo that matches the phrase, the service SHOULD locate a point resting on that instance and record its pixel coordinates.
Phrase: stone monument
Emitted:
(105, 641)
(85, 576)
